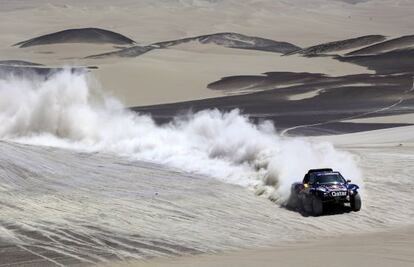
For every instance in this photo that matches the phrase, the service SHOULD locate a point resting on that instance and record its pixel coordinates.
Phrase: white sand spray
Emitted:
(62, 111)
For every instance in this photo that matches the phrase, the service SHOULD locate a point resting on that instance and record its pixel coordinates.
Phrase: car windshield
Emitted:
(329, 179)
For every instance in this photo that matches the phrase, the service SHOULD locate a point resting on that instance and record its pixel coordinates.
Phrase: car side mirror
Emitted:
(348, 181)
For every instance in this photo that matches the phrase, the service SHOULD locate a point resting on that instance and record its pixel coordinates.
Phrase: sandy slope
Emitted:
(385, 169)
(143, 210)
(391, 248)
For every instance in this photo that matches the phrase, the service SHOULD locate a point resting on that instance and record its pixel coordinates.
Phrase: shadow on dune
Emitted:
(392, 62)
(317, 100)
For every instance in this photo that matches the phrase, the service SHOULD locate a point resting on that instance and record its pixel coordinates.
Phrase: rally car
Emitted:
(321, 187)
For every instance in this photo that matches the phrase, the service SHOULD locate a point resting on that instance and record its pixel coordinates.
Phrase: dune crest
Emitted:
(82, 35)
(396, 43)
(226, 39)
(341, 45)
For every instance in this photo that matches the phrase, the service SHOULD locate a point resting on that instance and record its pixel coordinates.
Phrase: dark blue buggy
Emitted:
(322, 187)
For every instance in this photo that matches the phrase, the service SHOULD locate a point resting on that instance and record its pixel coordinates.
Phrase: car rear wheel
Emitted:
(317, 206)
(356, 202)
(307, 204)
(293, 201)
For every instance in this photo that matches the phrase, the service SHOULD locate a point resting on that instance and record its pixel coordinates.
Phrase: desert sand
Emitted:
(391, 248)
(194, 64)
(168, 133)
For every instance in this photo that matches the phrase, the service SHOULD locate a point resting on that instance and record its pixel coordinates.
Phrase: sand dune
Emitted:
(35, 72)
(397, 137)
(18, 63)
(267, 80)
(143, 209)
(394, 61)
(394, 44)
(377, 95)
(188, 69)
(226, 39)
(236, 40)
(341, 45)
(97, 199)
(382, 249)
(126, 52)
(25, 71)
(82, 35)
(387, 119)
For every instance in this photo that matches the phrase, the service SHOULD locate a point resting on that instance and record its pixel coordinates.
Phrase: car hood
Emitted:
(334, 187)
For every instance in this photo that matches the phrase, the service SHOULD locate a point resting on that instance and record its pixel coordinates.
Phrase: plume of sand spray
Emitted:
(62, 111)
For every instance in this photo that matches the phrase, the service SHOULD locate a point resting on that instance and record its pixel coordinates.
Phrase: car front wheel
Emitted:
(356, 202)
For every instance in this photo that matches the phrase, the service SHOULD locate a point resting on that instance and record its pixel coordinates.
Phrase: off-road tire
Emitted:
(356, 202)
(317, 206)
(293, 202)
(307, 204)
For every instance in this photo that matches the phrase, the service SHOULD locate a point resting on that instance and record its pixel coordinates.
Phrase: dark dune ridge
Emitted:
(397, 43)
(82, 35)
(395, 61)
(36, 72)
(18, 63)
(340, 98)
(340, 45)
(256, 82)
(226, 39)
(127, 52)
(235, 40)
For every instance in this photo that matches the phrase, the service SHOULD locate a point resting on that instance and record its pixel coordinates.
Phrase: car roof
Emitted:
(326, 173)
(319, 170)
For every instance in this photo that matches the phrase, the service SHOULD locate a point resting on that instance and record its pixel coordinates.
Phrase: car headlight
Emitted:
(322, 189)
